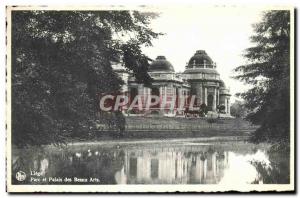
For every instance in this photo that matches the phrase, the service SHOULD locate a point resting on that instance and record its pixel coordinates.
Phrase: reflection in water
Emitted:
(176, 163)
(174, 166)
(277, 171)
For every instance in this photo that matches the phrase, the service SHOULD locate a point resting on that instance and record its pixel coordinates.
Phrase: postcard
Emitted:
(150, 99)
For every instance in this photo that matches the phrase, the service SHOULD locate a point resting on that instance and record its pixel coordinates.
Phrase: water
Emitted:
(151, 162)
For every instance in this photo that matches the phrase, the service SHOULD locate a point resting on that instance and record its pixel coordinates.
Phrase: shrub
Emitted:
(212, 120)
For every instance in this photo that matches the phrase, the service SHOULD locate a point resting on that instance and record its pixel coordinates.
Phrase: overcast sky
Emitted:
(222, 32)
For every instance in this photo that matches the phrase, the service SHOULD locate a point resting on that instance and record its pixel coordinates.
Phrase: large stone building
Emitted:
(200, 79)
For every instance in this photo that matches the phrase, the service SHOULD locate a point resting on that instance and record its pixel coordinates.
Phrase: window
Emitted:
(133, 167)
(210, 99)
(154, 168)
(133, 93)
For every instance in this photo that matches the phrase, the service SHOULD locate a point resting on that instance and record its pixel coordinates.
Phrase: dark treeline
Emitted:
(61, 60)
(268, 72)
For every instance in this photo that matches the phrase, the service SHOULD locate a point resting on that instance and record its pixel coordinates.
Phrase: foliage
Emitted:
(203, 109)
(277, 171)
(238, 109)
(212, 120)
(221, 108)
(61, 60)
(267, 70)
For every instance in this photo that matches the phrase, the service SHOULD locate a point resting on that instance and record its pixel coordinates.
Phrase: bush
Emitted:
(154, 113)
(212, 120)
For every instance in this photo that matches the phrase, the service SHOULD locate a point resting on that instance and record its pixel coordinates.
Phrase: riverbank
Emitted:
(164, 128)
(168, 134)
(170, 128)
(199, 140)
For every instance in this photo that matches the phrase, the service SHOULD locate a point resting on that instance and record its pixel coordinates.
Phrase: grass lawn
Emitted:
(165, 123)
(166, 128)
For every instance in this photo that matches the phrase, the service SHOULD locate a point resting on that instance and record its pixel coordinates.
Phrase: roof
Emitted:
(200, 58)
(161, 64)
(222, 84)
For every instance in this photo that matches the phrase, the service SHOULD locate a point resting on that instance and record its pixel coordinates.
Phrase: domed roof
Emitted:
(161, 64)
(200, 57)
(222, 84)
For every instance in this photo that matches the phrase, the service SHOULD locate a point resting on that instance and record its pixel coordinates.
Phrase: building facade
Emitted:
(200, 80)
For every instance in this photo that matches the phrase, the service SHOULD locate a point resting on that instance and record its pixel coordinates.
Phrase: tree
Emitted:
(268, 71)
(238, 109)
(61, 60)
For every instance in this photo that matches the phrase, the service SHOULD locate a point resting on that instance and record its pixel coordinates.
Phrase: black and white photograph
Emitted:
(150, 99)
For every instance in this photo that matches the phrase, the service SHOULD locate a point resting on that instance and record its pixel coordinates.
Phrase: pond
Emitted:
(188, 161)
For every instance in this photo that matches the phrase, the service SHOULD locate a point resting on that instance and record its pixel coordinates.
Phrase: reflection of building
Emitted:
(200, 78)
(173, 166)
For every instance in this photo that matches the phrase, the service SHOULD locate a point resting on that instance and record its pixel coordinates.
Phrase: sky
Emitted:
(222, 32)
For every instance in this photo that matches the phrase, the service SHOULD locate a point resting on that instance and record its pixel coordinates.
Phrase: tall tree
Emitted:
(268, 71)
(61, 60)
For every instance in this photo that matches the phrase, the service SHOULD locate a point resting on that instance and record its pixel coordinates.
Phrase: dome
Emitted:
(200, 58)
(222, 84)
(161, 64)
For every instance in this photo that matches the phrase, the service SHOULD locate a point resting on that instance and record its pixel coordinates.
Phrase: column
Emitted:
(228, 106)
(165, 97)
(148, 93)
(145, 96)
(166, 94)
(201, 95)
(218, 96)
(140, 89)
(160, 95)
(160, 91)
(205, 95)
(214, 100)
(225, 104)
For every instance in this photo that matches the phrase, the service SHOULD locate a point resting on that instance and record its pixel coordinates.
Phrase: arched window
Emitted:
(210, 99)
(155, 91)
